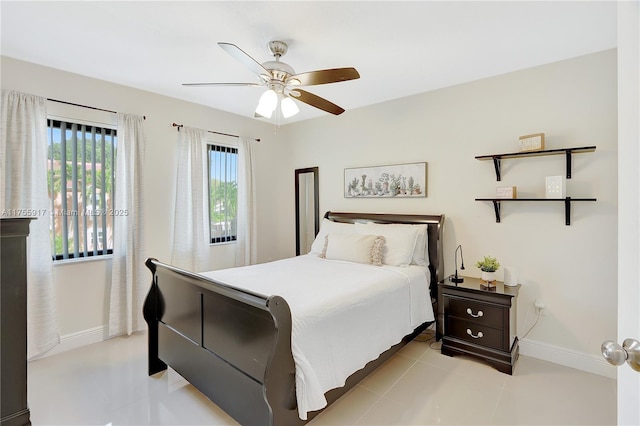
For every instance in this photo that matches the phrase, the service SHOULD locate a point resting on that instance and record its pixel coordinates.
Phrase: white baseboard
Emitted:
(544, 351)
(77, 340)
(578, 360)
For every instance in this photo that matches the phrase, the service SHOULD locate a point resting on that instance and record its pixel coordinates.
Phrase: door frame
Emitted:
(628, 203)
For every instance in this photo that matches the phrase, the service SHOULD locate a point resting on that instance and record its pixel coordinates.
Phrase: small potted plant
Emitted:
(489, 265)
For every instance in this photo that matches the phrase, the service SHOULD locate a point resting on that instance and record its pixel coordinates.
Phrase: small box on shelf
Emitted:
(506, 192)
(534, 142)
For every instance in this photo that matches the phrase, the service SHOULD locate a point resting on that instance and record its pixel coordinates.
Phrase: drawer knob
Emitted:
(475, 336)
(478, 315)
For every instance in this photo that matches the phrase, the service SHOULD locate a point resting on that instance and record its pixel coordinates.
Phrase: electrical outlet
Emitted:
(539, 305)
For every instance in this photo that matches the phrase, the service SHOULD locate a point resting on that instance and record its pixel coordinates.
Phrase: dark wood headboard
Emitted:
(435, 228)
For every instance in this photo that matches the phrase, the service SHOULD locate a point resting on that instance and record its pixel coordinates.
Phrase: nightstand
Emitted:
(478, 321)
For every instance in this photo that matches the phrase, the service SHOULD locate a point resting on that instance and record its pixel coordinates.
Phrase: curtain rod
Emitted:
(87, 106)
(216, 133)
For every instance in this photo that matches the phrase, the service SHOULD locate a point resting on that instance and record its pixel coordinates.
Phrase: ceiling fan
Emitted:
(282, 83)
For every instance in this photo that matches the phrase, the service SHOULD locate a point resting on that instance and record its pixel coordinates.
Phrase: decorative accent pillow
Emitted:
(400, 241)
(377, 251)
(329, 227)
(354, 248)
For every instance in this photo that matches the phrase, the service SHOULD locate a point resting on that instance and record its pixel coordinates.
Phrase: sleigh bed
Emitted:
(245, 349)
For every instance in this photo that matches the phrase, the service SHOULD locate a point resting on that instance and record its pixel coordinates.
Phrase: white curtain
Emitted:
(191, 220)
(129, 277)
(246, 244)
(23, 150)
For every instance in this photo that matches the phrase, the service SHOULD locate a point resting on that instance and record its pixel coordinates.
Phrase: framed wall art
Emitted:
(397, 180)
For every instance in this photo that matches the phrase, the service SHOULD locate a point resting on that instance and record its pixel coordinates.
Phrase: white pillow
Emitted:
(329, 227)
(421, 251)
(400, 241)
(354, 248)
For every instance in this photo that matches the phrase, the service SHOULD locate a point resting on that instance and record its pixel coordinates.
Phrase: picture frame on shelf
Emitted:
(555, 187)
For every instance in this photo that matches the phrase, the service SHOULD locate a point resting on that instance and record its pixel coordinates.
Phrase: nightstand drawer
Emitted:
(477, 312)
(471, 331)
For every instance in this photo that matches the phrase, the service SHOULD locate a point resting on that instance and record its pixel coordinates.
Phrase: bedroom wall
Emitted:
(572, 269)
(82, 286)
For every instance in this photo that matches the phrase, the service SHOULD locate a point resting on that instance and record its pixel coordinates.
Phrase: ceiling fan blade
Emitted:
(333, 75)
(221, 84)
(241, 56)
(316, 101)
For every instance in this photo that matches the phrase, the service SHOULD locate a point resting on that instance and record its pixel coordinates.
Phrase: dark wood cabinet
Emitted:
(479, 321)
(14, 410)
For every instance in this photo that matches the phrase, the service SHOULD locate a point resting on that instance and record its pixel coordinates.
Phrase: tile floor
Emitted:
(106, 384)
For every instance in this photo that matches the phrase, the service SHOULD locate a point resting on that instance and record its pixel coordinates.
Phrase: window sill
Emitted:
(224, 243)
(103, 257)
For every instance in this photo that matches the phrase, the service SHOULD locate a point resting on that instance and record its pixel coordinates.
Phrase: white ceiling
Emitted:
(399, 48)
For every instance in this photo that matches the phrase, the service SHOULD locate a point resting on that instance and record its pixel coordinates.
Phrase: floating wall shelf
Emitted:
(567, 204)
(566, 151)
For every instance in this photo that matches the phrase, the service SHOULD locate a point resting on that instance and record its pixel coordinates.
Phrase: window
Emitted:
(223, 193)
(81, 182)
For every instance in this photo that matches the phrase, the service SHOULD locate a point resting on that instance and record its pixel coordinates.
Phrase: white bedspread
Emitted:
(343, 314)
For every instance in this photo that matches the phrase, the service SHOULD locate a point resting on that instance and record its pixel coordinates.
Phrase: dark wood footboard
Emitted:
(233, 345)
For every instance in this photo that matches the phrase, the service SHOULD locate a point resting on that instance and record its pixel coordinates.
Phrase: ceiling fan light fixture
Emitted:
(283, 82)
(267, 103)
(289, 107)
